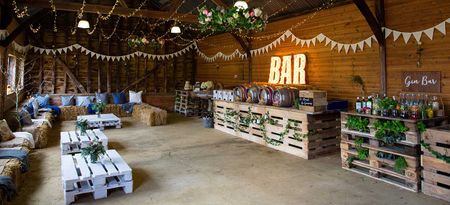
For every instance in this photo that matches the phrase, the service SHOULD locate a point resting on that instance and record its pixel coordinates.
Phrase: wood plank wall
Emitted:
(332, 71)
(96, 75)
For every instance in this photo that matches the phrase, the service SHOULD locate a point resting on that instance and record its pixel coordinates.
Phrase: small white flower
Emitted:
(258, 12)
(246, 15)
(235, 15)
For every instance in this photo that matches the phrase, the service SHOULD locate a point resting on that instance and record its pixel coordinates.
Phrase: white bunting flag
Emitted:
(313, 41)
(387, 32)
(47, 51)
(374, 38)
(36, 49)
(333, 44)
(103, 57)
(77, 46)
(340, 47)
(293, 38)
(441, 28)
(302, 42)
(429, 32)
(320, 37)
(97, 56)
(346, 47)
(369, 42)
(448, 20)
(417, 35)
(406, 36)
(70, 48)
(396, 34)
(327, 41)
(361, 45)
(282, 37)
(354, 46)
(297, 41)
(308, 42)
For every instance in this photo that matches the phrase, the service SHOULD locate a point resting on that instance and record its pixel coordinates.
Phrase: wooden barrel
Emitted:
(284, 97)
(266, 95)
(253, 93)
(240, 93)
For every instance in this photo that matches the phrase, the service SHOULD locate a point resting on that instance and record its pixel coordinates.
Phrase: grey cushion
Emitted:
(101, 97)
(25, 118)
(83, 100)
(67, 100)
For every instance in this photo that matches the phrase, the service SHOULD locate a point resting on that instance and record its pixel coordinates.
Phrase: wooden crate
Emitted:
(382, 169)
(323, 129)
(313, 100)
(436, 172)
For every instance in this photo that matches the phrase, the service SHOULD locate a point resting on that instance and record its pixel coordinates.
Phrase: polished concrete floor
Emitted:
(183, 163)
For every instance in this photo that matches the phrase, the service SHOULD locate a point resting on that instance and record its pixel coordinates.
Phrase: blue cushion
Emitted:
(83, 100)
(67, 100)
(43, 100)
(118, 98)
(101, 97)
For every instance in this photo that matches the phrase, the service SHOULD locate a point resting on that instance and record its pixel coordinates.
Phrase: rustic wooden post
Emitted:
(108, 70)
(3, 80)
(99, 70)
(379, 10)
(54, 65)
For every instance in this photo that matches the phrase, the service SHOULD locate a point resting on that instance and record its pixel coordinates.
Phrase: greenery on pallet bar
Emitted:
(390, 131)
(357, 123)
(435, 153)
(421, 127)
(400, 163)
(261, 121)
(362, 153)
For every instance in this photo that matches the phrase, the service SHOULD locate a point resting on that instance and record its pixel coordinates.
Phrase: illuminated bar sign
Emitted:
(286, 75)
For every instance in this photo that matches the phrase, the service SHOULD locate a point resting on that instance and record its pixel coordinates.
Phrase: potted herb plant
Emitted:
(208, 120)
(390, 131)
(98, 108)
(82, 125)
(387, 105)
(94, 151)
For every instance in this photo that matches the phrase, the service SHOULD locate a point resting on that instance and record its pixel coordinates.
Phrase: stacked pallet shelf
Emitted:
(186, 104)
(436, 172)
(320, 131)
(377, 166)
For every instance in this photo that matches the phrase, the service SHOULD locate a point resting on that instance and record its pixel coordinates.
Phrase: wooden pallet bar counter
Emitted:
(381, 159)
(303, 134)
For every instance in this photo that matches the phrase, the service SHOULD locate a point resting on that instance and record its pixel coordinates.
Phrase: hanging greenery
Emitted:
(421, 127)
(357, 123)
(436, 154)
(143, 42)
(363, 153)
(390, 131)
(232, 19)
(400, 163)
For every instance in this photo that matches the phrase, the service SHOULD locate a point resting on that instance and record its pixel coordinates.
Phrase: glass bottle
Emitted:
(358, 105)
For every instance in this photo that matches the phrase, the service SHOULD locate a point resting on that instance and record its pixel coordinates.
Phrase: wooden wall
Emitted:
(332, 71)
(96, 75)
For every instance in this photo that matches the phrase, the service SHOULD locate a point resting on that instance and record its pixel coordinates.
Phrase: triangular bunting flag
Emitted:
(387, 32)
(313, 41)
(374, 38)
(346, 47)
(369, 42)
(354, 46)
(288, 33)
(340, 47)
(441, 28)
(41, 50)
(417, 35)
(282, 37)
(297, 41)
(308, 42)
(406, 37)
(92, 54)
(266, 49)
(97, 55)
(77, 46)
(333, 44)
(83, 49)
(302, 42)
(47, 51)
(429, 32)
(327, 41)
(293, 38)
(103, 57)
(70, 48)
(36, 49)
(361, 45)
(396, 35)
(448, 20)
(320, 37)
(278, 41)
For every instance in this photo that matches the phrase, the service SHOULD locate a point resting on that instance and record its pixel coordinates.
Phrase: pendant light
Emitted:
(241, 5)
(83, 24)
(175, 29)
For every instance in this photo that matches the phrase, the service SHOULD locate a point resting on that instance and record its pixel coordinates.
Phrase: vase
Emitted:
(98, 114)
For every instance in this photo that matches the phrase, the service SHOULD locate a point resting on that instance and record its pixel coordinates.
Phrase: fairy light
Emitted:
(104, 18)
(107, 37)
(95, 26)
(52, 5)
(20, 13)
(35, 30)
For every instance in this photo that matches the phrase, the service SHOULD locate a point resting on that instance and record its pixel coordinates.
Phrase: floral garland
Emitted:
(221, 20)
(144, 42)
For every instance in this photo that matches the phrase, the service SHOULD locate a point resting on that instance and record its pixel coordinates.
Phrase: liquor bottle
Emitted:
(369, 105)
(358, 105)
(375, 107)
(363, 105)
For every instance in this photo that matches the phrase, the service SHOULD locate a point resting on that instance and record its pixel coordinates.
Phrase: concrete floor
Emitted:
(183, 163)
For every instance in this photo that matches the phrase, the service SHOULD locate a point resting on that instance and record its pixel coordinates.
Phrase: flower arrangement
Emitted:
(144, 42)
(235, 18)
(94, 150)
(82, 125)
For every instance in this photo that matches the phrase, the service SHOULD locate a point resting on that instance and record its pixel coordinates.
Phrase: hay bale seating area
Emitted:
(150, 115)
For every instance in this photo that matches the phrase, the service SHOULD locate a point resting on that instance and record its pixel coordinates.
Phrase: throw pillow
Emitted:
(101, 97)
(25, 118)
(135, 97)
(5, 133)
(43, 101)
(83, 100)
(67, 100)
(118, 98)
(35, 105)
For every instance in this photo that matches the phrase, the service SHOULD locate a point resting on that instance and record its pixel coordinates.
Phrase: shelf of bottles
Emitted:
(366, 152)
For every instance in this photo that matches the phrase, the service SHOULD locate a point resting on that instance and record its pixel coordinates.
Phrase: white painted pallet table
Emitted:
(80, 176)
(105, 120)
(71, 142)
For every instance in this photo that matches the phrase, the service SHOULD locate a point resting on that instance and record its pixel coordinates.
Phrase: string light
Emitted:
(114, 30)
(52, 5)
(104, 18)
(20, 13)
(35, 30)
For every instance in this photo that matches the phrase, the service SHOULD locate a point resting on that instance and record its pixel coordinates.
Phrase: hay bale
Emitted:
(11, 168)
(71, 112)
(151, 116)
(41, 135)
(116, 110)
(47, 116)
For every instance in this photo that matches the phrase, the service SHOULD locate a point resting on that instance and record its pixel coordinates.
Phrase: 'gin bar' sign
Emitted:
(422, 81)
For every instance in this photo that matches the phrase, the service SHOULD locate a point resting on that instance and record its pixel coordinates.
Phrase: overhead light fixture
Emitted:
(83, 24)
(175, 29)
(241, 5)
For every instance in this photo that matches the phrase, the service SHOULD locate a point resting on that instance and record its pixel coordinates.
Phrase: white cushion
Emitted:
(135, 97)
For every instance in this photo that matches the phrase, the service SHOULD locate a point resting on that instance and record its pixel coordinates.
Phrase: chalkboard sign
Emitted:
(422, 81)
(306, 101)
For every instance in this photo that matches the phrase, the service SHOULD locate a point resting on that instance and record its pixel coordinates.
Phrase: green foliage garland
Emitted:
(390, 131)
(225, 20)
(357, 123)
(421, 127)
(400, 163)
(436, 154)
(387, 103)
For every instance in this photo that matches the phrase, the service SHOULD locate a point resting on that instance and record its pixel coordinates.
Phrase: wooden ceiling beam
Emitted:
(120, 11)
(371, 20)
(22, 26)
(123, 3)
(174, 5)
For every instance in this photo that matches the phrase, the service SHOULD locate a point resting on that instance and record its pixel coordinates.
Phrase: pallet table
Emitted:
(377, 167)
(105, 120)
(80, 176)
(71, 142)
(320, 132)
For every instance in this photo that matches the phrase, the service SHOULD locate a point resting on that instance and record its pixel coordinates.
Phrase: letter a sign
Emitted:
(283, 72)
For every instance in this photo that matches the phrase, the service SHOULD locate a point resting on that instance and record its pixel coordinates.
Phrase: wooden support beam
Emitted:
(89, 65)
(120, 11)
(3, 72)
(108, 71)
(71, 75)
(22, 26)
(371, 20)
(174, 5)
(379, 11)
(99, 63)
(123, 3)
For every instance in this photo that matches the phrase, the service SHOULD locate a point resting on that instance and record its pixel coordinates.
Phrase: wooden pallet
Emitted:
(72, 142)
(186, 104)
(436, 172)
(324, 128)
